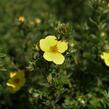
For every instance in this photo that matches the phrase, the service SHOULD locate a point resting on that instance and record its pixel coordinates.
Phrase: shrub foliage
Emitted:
(82, 81)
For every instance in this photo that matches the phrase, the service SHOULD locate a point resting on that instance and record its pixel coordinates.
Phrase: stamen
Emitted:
(16, 80)
(54, 48)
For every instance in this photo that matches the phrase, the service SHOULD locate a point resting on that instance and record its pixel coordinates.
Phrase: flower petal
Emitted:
(10, 85)
(12, 74)
(107, 62)
(48, 42)
(105, 57)
(48, 56)
(62, 46)
(51, 37)
(20, 74)
(58, 58)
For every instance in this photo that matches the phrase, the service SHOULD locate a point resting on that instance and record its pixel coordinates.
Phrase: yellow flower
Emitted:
(105, 57)
(21, 19)
(53, 49)
(16, 81)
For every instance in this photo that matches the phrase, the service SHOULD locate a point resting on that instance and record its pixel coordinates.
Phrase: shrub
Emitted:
(80, 81)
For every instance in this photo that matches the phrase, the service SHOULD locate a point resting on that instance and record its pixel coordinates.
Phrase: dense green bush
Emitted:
(82, 81)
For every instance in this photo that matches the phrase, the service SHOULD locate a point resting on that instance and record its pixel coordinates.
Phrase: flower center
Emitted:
(54, 49)
(16, 80)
